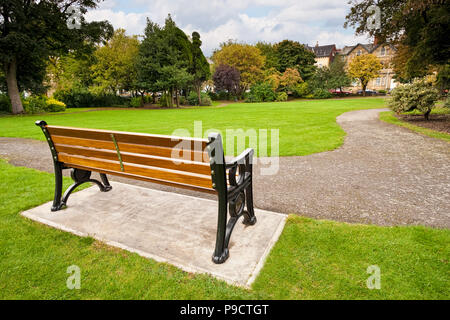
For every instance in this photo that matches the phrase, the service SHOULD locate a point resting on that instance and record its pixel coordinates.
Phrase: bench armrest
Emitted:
(245, 157)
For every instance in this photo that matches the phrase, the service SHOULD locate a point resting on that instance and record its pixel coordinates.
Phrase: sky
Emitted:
(305, 21)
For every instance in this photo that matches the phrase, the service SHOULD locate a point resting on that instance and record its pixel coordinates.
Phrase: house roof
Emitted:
(322, 51)
(370, 47)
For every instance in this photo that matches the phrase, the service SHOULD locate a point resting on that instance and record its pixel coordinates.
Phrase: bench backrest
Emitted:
(174, 161)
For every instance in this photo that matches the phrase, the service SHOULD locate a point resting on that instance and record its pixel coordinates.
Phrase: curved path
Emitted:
(383, 174)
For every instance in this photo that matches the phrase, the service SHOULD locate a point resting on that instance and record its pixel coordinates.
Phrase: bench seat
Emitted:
(188, 163)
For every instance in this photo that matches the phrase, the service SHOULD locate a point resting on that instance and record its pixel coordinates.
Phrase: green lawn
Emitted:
(306, 127)
(312, 260)
(389, 117)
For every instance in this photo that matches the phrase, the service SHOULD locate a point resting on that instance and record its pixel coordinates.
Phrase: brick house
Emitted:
(384, 53)
(324, 54)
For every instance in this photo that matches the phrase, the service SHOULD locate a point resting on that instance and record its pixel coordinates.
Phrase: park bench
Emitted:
(189, 163)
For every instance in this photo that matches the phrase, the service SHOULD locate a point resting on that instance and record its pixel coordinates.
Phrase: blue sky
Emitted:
(243, 20)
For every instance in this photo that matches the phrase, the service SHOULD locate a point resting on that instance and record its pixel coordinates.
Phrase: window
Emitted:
(383, 81)
(358, 53)
(378, 81)
(383, 51)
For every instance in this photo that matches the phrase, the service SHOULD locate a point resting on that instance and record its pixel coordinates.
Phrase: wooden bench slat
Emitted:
(135, 138)
(147, 179)
(155, 173)
(151, 161)
(198, 156)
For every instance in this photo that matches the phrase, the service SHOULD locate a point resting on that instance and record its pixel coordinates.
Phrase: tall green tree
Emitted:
(292, 54)
(200, 68)
(173, 79)
(115, 66)
(421, 27)
(269, 51)
(31, 31)
(163, 51)
(337, 75)
(152, 56)
(72, 70)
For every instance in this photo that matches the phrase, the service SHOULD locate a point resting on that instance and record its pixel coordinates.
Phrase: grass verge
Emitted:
(312, 260)
(390, 118)
(305, 127)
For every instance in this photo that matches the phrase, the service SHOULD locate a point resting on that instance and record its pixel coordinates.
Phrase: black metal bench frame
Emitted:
(235, 196)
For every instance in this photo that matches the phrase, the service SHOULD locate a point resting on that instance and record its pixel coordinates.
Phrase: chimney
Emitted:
(317, 44)
(376, 40)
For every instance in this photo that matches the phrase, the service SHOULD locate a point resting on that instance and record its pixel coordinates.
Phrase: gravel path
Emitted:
(383, 174)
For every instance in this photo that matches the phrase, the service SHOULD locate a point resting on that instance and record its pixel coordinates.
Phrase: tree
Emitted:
(364, 68)
(31, 31)
(337, 75)
(272, 77)
(70, 70)
(152, 57)
(268, 50)
(406, 67)
(292, 54)
(115, 66)
(289, 79)
(420, 26)
(165, 56)
(247, 59)
(320, 79)
(443, 78)
(200, 67)
(227, 78)
(173, 79)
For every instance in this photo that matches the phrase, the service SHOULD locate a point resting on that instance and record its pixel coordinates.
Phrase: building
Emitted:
(324, 54)
(385, 53)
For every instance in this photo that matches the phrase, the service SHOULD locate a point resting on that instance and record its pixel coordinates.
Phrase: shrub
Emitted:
(206, 100)
(183, 100)
(54, 105)
(447, 102)
(262, 92)
(5, 103)
(164, 100)
(419, 95)
(213, 95)
(35, 104)
(251, 98)
(83, 98)
(75, 98)
(321, 94)
(382, 92)
(282, 97)
(193, 99)
(302, 90)
(136, 102)
(221, 95)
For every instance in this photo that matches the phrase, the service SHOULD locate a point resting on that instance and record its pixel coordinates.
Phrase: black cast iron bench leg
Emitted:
(79, 177)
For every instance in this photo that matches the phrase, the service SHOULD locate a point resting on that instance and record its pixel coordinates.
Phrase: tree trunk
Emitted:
(427, 115)
(364, 90)
(199, 96)
(178, 99)
(171, 97)
(13, 88)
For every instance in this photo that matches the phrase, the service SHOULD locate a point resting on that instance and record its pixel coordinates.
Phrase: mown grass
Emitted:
(312, 260)
(389, 117)
(306, 127)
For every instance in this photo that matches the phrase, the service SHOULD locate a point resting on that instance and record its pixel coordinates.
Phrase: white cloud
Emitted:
(220, 20)
(134, 23)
